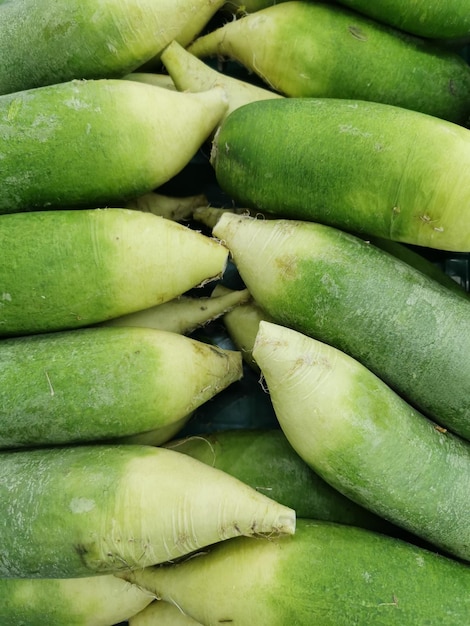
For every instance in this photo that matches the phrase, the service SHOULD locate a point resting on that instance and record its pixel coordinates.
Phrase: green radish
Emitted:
(93, 384)
(242, 324)
(425, 18)
(313, 49)
(265, 460)
(78, 268)
(236, 7)
(407, 328)
(155, 436)
(94, 142)
(365, 167)
(152, 78)
(76, 511)
(162, 614)
(52, 41)
(365, 440)
(191, 74)
(179, 209)
(88, 601)
(184, 313)
(326, 574)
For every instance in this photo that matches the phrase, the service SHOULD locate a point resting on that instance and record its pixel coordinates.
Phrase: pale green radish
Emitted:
(326, 574)
(44, 42)
(177, 208)
(365, 440)
(364, 167)
(404, 326)
(191, 74)
(93, 384)
(184, 313)
(88, 601)
(75, 511)
(152, 78)
(425, 18)
(314, 49)
(242, 324)
(91, 143)
(160, 613)
(81, 267)
(156, 436)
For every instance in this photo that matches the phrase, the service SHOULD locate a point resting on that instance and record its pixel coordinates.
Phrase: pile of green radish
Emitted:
(133, 312)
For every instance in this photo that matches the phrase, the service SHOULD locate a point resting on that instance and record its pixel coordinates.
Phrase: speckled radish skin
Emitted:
(90, 39)
(88, 601)
(326, 574)
(315, 49)
(75, 511)
(82, 267)
(364, 167)
(365, 440)
(399, 323)
(92, 143)
(95, 384)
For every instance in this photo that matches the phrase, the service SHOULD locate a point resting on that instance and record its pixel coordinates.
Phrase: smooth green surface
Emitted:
(66, 269)
(326, 574)
(364, 167)
(405, 327)
(100, 383)
(315, 49)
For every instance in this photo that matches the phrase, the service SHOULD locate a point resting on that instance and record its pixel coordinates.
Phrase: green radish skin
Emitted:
(191, 74)
(365, 440)
(93, 384)
(89, 601)
(326, 574)
(156, 436)
(152, 78)
(91, 143)
(404, 326)
(425, 18)
(184, 314)
(393, 173)
(77, 511)
(90, 39)
(162, 614)
(313, 49)
(265, 460)
(82, 267)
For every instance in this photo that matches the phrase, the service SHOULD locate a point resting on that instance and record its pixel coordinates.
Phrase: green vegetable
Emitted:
(177, 208)
(326, 574)
(92, 384)
(66, 269)
(88, 601)
(76, 511)
(404, 326)
(426, 18)
(51, 41)
(364, 167)
(91, 143)
(265, 460)
(313, 49)
(365, 440)
(162, 614)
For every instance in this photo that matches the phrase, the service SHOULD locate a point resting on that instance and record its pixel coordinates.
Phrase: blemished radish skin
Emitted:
(265, 460)
(365, 440)
(75, 511)
(314, 49)
(424, 18)
(326, 574)
(90, 39)
(184, 313)
(88, 601)
(404, 326)
(64, 269)
(92, 143)
(191, 74)
(160, 613)
(177, 208)
(364, 167)
(93, 384)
